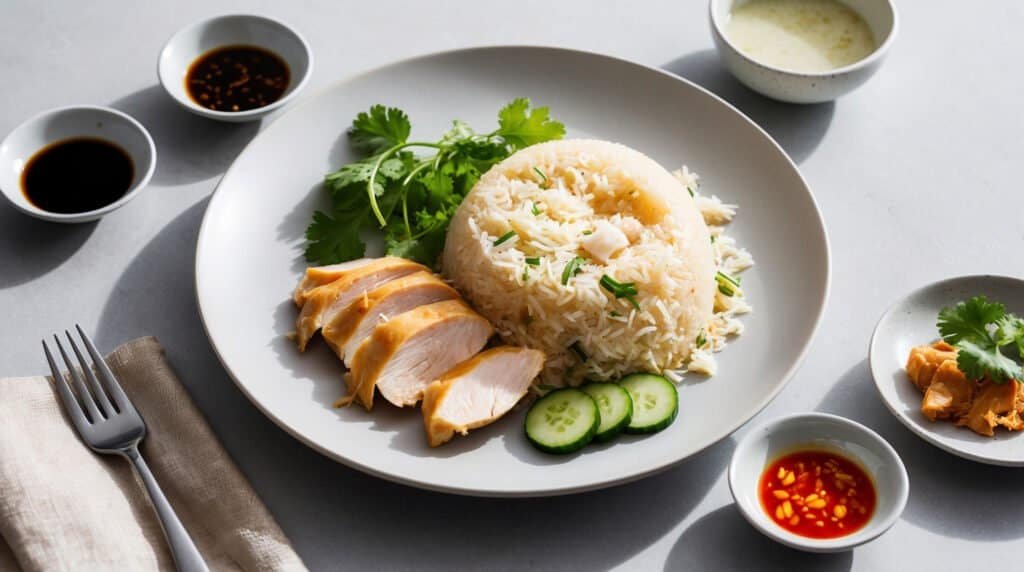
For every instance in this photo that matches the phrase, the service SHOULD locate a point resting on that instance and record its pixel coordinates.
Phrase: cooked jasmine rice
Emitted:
(729, 258)
(596, 255)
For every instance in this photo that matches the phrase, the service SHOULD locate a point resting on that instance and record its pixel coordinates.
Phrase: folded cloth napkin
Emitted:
(62, 507)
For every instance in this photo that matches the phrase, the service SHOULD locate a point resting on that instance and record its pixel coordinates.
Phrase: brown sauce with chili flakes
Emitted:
(237, 78)
(77, 175)
(817, 494)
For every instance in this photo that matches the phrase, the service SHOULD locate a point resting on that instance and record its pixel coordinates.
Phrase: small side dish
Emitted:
(75, 164)
(971, 376)
(235, 68)
(818, 482)
(817, 494)
(803, 51)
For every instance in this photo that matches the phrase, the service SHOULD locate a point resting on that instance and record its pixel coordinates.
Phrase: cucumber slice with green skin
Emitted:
(562, 421)
(615, 406)
(655, 402)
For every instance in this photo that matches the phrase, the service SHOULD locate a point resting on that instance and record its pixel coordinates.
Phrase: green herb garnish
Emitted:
(543, 177)
(979, 329)
(588, 232)
(533, 261)
(572, 269)
(727, 284)
(504, 238)
(625, 290)
(412, 198)
(534, 209)
(701, 339)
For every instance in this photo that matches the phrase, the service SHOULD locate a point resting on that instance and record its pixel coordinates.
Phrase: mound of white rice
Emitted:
(528, 219)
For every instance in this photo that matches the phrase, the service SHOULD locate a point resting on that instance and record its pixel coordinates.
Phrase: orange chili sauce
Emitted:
(817, 494)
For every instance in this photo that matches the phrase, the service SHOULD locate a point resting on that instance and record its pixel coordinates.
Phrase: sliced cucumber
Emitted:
(615, 406)
(562, 421)
(655, 402)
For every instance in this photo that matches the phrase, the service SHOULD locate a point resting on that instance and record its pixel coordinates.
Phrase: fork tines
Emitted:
(90, 401)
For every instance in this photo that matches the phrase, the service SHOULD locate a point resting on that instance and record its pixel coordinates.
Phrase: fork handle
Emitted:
(186, 555)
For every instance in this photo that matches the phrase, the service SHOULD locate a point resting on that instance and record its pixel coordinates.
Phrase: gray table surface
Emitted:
(917, 175)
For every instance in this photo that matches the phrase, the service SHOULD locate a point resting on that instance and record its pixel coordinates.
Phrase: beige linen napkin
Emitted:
(64, 508)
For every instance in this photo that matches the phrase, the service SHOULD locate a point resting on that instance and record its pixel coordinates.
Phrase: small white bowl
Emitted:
(68, 123)
(192, 42)
(819, 431)
(806, 87)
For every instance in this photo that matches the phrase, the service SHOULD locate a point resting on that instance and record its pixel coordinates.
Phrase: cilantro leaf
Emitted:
(379, 129)
(968, 319)
(411, 198)
(521, 126)
(334, 239)
(978, 329)
(978, 360)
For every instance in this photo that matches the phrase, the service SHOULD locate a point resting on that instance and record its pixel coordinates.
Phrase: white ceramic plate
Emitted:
(911, 322)
(249, 258)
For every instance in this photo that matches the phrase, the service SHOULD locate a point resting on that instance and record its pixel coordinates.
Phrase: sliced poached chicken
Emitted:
(317, 276)
(349, 327)
(406, 353)
(478, 391)
(324, 301)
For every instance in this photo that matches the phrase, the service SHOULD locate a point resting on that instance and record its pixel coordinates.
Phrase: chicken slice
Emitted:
(478, 391)
(349, 327)
(406, 353)
(949, 393)
(996, 404)
(323, 302)
(605, 241)
(317, 276)
(925, 360)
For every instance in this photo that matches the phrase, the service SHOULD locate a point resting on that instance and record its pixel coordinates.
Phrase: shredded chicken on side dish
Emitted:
(948, 394)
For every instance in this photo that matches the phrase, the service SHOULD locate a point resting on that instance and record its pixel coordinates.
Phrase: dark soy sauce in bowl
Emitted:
(237, 78)
(77, 175)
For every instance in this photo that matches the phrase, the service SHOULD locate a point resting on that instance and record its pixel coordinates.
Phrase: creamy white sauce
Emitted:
(800, 35)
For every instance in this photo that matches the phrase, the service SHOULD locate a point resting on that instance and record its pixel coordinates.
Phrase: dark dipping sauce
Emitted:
(237, 78)
(77, 175)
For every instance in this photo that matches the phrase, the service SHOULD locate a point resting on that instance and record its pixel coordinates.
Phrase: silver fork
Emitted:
(108, 422)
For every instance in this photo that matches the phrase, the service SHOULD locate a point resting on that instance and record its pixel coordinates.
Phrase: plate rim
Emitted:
(602, 483)
(875, 366)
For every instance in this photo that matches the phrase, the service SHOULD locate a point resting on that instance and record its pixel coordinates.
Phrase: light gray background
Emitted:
(917, 174)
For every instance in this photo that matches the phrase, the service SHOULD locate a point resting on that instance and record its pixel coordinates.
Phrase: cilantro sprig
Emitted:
(989, 340)
(412, 198)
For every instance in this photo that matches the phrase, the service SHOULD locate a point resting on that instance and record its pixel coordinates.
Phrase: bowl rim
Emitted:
(166, 81)
(876, 55)
(84, 216)
(872, 530)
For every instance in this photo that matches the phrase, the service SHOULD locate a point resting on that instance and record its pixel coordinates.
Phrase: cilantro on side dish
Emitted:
(980, 330)
(412, 198)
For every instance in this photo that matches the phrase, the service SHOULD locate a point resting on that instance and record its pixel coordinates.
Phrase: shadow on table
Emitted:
(798, 128)
(34, 247)
(724, 538)
(597, 530)
(189, 148)
(948, 495)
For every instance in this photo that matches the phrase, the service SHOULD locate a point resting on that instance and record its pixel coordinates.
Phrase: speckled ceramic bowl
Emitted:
(806, 87)
(821, 431)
